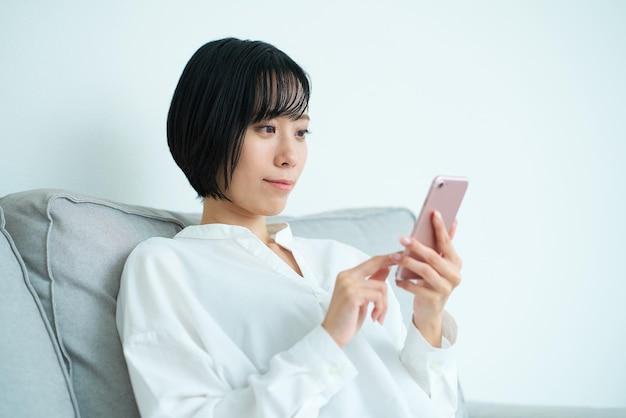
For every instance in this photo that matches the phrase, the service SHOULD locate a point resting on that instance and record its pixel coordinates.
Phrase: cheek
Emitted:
(304, 153)
(254, 152)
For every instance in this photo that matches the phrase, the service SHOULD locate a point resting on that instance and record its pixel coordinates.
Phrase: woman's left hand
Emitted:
(439, 271)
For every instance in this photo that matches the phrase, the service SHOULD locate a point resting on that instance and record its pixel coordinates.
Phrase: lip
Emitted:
(282, 184)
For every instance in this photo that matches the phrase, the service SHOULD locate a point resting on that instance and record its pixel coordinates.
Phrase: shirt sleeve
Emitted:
(177, 372)
(434, 369)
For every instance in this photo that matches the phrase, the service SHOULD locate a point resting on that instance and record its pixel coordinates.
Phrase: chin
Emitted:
(273, 210)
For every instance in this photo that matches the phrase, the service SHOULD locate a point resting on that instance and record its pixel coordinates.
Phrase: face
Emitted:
(272, 158)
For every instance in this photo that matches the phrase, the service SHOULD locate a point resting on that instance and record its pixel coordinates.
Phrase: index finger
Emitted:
(372, 266)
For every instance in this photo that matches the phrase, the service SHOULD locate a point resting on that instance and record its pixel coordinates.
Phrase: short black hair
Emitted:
(227, 85)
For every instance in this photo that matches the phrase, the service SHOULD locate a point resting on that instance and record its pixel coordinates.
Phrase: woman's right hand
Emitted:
(354, 290)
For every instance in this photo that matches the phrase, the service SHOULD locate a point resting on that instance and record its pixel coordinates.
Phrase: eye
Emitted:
(267, 129)
(302, 133)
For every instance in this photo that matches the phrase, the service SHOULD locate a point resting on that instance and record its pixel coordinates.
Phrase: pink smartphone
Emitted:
(445, 195)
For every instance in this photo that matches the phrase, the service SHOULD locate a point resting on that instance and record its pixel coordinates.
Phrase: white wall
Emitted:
(526, 98)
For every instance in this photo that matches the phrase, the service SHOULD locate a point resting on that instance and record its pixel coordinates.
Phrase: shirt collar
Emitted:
(280, 232)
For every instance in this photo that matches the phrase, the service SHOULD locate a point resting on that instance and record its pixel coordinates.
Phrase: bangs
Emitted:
(281, 92)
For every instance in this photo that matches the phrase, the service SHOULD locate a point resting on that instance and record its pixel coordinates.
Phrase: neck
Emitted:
(223, 212)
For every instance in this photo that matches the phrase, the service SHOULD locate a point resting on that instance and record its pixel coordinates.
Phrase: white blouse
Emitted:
(214, 324)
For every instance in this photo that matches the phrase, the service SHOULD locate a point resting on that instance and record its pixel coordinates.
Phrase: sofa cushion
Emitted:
(74, 248)
(33, 381)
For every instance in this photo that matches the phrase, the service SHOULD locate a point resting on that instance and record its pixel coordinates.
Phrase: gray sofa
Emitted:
(61, 256)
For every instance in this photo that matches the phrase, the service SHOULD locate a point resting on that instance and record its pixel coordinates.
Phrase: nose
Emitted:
(286, 152)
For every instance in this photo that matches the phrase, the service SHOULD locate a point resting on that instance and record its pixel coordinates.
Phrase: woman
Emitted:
(238, 318)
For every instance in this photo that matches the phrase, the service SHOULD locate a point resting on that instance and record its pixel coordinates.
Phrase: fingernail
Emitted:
(395, 257)
(438, 214)
(405, 240)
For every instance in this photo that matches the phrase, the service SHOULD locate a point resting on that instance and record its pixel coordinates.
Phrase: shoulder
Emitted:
(154, 244)
(154, 287)
(156, 258)
(152, 249)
